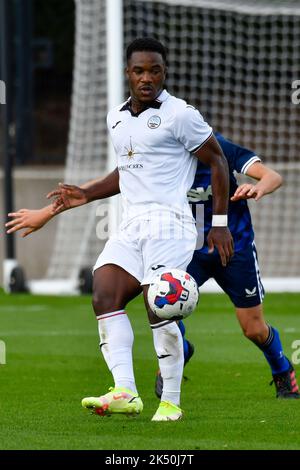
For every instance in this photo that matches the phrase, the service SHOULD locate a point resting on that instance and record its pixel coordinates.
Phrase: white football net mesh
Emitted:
(76, 243)
(236, 62)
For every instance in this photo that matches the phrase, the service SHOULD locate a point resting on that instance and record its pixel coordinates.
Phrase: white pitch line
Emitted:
(47, 333)
(23, 308)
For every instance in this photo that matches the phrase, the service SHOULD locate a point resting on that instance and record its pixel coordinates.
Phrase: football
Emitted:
(173, 295)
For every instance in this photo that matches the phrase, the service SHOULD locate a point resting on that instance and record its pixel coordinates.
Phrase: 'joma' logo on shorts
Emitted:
(2, 92)
(157, 266)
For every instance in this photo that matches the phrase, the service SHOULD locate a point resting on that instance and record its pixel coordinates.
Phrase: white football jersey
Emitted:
(154, 154)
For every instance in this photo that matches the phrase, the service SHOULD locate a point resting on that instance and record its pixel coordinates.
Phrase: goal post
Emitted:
(115, 87)
(234, 60)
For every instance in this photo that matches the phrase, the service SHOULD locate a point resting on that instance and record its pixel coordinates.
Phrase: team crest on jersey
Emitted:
(154, 122)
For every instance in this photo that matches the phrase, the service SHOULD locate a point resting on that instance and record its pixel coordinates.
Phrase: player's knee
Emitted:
(106, 301)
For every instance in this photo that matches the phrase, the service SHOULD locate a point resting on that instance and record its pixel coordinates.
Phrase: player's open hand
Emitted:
(29, 220)
(248, 191)
(220, 238)
(66, 197)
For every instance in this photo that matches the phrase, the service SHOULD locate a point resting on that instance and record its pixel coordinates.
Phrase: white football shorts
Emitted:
(144, 248)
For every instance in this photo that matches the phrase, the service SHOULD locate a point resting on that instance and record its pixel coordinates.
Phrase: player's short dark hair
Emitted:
(146, 44)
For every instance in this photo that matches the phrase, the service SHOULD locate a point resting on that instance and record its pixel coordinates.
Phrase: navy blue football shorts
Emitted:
(240, 279)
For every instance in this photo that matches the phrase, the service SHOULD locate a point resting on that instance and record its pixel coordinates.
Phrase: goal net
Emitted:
(234, 60)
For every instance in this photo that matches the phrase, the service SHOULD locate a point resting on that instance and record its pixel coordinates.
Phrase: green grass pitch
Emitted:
(52, 361)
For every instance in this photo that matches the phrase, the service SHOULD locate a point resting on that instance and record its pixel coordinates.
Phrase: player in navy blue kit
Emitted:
(240, 279)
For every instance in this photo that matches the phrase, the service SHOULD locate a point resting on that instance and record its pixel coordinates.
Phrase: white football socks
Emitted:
(116, 340)
(169, 349)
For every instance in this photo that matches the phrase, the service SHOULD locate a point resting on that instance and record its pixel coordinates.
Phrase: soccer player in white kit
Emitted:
(157, 139)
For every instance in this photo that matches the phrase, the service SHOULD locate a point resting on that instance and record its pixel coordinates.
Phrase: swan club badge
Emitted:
(154, 122)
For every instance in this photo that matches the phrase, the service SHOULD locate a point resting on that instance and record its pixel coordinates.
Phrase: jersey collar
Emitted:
(156, 104)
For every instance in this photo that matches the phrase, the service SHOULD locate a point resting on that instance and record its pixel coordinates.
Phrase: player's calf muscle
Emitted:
(253, 324)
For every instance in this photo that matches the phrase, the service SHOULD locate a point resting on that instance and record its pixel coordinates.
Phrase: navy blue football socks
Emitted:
(272, 349)
(185, 343)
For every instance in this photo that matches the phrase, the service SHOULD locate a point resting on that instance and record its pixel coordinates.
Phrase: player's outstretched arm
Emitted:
(66, 197)
(268, 181)
(31, 220)
(219, 236)
(69, 196)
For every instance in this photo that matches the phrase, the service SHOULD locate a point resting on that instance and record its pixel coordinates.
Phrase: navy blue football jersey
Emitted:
(239, 219)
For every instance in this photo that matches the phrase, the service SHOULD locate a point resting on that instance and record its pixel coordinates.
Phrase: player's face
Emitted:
(146, 73)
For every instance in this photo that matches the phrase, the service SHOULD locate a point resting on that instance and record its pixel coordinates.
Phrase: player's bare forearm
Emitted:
(69, 196)
(103, 187)
(219, 236)
(268, 181)
(220, 186)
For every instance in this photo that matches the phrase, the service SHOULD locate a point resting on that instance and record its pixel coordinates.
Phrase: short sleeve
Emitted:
(191, 129)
